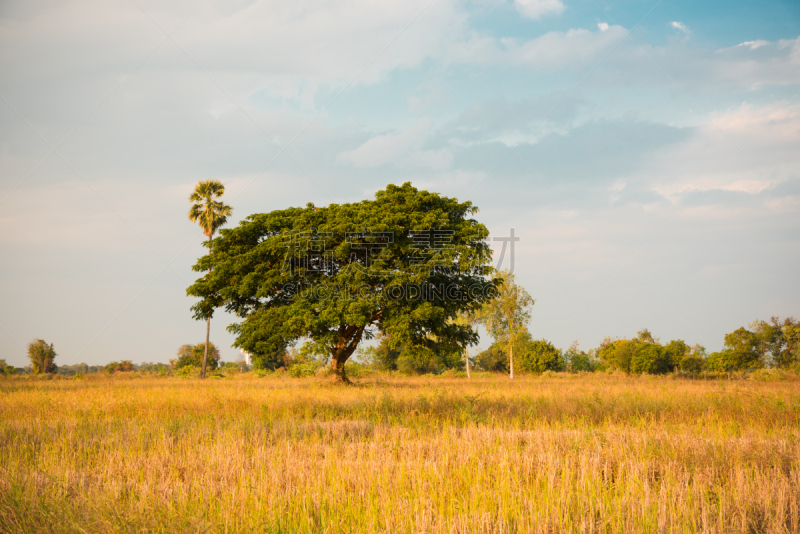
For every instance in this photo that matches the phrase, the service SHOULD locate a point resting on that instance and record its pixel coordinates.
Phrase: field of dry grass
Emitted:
(566, 453)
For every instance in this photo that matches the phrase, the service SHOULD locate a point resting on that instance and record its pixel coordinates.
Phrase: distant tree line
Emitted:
(772, 344)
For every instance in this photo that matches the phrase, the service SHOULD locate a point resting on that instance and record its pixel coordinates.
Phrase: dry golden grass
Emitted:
(569, 453)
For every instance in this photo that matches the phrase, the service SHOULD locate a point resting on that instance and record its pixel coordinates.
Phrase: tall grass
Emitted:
(591, 453)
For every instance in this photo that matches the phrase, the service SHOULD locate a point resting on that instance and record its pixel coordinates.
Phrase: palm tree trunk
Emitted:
(205, 353)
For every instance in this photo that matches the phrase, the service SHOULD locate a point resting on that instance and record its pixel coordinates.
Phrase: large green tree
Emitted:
(507, 316)
(210, 213)
(744, 348)
(404, 264)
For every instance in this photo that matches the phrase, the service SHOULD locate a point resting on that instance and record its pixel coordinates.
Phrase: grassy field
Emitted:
(564, 453)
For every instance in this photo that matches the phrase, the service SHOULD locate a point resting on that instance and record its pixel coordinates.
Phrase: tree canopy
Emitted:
(403, 264)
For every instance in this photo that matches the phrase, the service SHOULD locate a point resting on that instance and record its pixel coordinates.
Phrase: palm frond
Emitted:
(207, 211)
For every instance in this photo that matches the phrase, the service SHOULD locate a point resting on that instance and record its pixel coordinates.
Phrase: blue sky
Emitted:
(645, 152)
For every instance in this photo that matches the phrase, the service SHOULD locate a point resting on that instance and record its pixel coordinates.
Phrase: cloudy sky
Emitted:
(646, 152)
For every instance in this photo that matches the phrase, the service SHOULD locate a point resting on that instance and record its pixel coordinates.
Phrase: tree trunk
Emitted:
(205, 354)
(339, 375)
(511, 360)
(349, 336)
(466, 356)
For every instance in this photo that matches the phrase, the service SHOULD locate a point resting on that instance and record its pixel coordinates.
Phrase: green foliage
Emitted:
(773, 344)
(692, 363)
(159, 368)
(778, 341)
(419, 360)
(790, 352)
(674, 353)
(618, 354)
(125, 366)
(283, 291)
(644, 354)
(742, 350)
(415, 360)
(493, 359)
(385, 355)
(538, 356)
(576, 360)
(533, 356)
(42, 356)
(646, 358)
(192, 356)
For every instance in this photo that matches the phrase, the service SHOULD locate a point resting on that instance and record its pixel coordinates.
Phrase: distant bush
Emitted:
(125, 366)
(192, 356)
(158, 368)
(6, 369)
(305, 369)
(692, 363)
(391, 356)
(650, 358)
(768, 375)
(538, 356)
(576, 361)
(42, 357)
(493, 359)
(531, 356)
(643, 354)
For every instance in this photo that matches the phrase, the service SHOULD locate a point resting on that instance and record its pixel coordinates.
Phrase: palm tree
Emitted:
(210, 214)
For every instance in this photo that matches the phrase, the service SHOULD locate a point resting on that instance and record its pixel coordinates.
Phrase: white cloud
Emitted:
(402, 150)
(535, 9)
(282, 48)
(748, 186)
(680, 26)
(748, 149)
(752, 45)
(551, 51)
(603, 26)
